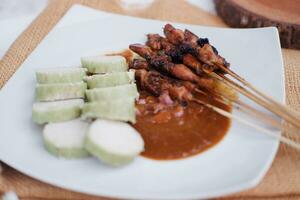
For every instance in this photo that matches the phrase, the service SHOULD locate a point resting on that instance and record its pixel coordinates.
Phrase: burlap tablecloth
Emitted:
(281, 182)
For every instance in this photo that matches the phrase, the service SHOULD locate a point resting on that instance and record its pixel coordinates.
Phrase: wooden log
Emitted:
(284, 14)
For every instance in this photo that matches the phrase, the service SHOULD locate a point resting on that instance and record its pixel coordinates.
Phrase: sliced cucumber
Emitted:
(60, 75)
(104, 64)
(114, 143)
(60, 91)
(121, 109)
(66, 139)
(110, 79)
(56, 111)
(112, 93)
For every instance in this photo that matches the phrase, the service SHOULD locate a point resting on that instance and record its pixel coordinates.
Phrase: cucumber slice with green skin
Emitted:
(104, 64)
(121, 109)
(60, 75)
(60, 91)
(114, 143)
(66, 139)
(112, 93)
(56, 111)
(110, 79)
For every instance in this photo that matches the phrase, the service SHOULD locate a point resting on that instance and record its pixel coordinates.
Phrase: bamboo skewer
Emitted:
(266, 131)
(247, 109)
(260, 93)
(273, 108)
(284, 115)
(178, 36)
(245, 88)
(252, 111)
(270, 120)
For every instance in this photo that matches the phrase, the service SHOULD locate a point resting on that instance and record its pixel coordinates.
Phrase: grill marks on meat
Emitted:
(188, 52)
(175, 36)
(153, 83)
(190, 37)
(142, 50)
(182, 72)
(174, 66)
(207, 55)
(178, 42)
(163, 46)
(162, 63)
(200, 68)
(199, 47)
(154, 41)
(139, 64)
(150, 81)
(159, 85)
(192, 62)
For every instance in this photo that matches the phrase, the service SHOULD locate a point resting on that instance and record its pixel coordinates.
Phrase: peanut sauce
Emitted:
(178, 132)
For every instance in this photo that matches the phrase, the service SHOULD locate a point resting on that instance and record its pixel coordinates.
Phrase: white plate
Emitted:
(239, 162)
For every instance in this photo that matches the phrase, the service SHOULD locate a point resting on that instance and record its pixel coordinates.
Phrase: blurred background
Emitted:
(16, 15)
(19, 8)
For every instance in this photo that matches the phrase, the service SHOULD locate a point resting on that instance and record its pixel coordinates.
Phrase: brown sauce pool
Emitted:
(179, 132)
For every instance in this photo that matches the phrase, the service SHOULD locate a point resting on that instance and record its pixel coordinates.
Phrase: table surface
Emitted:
(16, 15)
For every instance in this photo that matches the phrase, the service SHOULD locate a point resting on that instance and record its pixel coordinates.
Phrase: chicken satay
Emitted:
(199, 67)
(190, 37)
(142, 50)
(140, 77)
(162, 45)
(157, 42)
(163, 64)
(154, 41)
(208, 55)
(189, 86)
(157, 85)
(175, 36)
(203, 50)
(191, 43)
(150, 81)
(139, 64)
(192, 62)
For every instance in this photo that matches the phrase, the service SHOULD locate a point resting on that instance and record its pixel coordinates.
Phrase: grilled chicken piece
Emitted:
(142, 50)
(190, 37)
(150, 81)
(199, 47)
(180, 93)
(139, 64)
(157, 43)
(189, 86)
(175, 36)
(182, 72)
(192, 62)
(140, 77)
(208, 55)
(162, 86)
(163, 64)
(154, 41)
